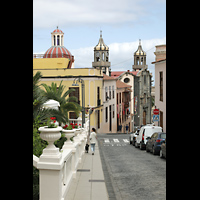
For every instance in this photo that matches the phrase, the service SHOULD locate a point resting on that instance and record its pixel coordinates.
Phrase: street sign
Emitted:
(155, 118)
(156, 111)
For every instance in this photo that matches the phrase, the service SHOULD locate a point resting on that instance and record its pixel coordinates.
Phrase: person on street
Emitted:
(93, 137)
(127, 128)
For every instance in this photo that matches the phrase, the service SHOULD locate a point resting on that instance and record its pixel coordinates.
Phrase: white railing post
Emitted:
(50, 174)
(57, 169)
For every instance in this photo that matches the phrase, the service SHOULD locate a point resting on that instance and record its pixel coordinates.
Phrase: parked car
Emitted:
(163, 149)
(154, 142)
(133, 136)
(146, 131)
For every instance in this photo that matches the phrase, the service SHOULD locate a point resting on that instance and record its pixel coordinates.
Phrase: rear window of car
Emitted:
(163, 135)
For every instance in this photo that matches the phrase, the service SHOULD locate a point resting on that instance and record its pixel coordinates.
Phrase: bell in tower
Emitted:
(101, 57)
(139, 58)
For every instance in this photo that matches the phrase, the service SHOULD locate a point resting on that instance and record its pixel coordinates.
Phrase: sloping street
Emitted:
(131, 173)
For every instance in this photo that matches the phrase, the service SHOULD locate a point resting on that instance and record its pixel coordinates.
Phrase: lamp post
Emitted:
(80, 80)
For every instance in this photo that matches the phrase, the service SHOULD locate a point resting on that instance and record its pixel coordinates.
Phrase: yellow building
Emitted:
(57, 67)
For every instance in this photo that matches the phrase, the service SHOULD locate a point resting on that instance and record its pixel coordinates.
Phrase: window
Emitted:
(141, 60)
(98, 92)
(113, 110)
(58, 40)
(98, 118)
(110, 92)
(161, 86)
(137, 61)
(126, 80)
(98, 96)
(72, 115)
(106, 93)
(106, 114)
(113, 90)
(97, 56)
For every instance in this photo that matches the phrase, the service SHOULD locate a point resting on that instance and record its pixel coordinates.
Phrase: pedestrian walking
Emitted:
(93, 137)
(127, 128)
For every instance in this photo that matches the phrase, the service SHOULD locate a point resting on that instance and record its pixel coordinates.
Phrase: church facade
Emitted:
(140, 79)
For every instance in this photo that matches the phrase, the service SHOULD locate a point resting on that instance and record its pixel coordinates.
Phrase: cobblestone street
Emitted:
(131, 173)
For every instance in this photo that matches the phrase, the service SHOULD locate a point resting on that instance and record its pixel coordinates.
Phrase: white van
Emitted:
(146, 131)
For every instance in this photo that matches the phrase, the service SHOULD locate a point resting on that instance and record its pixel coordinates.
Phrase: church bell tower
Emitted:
(101, 57)
(139, 58)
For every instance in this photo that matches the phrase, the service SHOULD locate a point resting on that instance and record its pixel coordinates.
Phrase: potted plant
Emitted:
(50, 133)
(69, 132)
(51, 124)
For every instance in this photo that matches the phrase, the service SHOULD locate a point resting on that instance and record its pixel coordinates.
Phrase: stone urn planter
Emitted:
(51, 152)
(50, 135)
(68, 135)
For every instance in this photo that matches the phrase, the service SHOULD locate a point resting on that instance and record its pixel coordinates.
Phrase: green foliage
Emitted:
(42, 115)
(66, 103)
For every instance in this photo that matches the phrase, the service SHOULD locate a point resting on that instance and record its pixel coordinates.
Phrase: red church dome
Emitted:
(57, 50)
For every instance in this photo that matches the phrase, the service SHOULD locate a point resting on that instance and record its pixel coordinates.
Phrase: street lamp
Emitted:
(83, 96)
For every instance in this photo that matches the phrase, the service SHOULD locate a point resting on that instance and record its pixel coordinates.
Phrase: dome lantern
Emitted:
(57, 37)
(57, 50)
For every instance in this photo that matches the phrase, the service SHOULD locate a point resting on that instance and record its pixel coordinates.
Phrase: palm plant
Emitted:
(39, 113)
(66, 103)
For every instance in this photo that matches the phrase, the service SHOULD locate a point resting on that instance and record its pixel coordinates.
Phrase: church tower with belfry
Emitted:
(101, 57)
(139, 58)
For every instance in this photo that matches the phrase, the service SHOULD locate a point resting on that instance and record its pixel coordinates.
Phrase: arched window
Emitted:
(97, 56)
(58, 40)
(137, 61)
(54, 40)
(141, 60)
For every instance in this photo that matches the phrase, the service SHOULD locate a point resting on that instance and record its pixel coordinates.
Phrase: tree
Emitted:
(39, 98)
(66, 103)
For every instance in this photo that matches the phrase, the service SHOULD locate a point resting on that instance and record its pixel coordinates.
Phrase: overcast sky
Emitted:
(123, 23)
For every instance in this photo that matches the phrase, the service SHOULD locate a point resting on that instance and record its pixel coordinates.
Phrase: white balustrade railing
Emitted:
(57, 169)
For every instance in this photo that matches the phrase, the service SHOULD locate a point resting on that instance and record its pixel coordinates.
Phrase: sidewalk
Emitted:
(89, 183)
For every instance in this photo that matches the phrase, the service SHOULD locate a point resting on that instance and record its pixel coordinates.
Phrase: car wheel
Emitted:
(153, 151)
(147, 150)
(141, 146)
(136, 146)
(161, 154)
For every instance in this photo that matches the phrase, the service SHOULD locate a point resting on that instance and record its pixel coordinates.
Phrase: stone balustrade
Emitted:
(58, 168)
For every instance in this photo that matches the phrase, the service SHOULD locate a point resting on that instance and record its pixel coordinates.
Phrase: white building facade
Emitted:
(160, 84)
